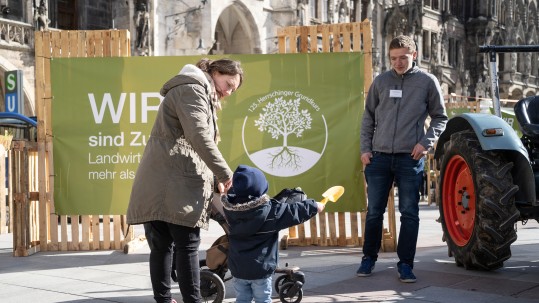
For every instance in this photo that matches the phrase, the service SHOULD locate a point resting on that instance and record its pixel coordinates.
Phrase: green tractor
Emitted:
(489, 177)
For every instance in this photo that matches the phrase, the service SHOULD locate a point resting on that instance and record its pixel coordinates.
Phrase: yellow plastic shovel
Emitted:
(332, 194)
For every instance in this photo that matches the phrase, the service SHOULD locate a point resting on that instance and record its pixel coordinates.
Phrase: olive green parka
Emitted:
(175, 178)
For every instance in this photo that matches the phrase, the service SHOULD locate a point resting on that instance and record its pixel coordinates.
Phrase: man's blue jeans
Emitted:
(249, 290)
(380, 174)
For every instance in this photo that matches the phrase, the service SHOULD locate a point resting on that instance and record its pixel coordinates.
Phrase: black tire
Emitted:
(280, 281)
(477, 208)
(284, 296)
(212, 288)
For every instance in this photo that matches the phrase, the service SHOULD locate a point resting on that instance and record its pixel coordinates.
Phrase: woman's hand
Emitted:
(224, 186)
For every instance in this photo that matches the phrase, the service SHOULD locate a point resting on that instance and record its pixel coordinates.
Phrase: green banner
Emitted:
(296, 117)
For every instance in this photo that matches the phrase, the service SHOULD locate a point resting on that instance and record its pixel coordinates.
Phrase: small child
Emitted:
(255, 220)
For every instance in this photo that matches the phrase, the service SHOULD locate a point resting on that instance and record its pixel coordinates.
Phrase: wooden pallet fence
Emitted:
(334, 229)
(46, 231)
(23, 196)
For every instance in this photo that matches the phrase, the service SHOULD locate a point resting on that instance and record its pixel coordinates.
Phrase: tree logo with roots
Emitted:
(288, 118)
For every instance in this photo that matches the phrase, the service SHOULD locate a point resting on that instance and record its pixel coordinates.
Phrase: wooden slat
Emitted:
(75, 243)
(301, 235)
(116, 220)
(99, 43)
(313, 230)
(56, 44)
(303, 39)
(323, 229)
(3, 208)
(354, 222)
(10, 192)
(90, 43)
(54, 241)
(73, 44)
(85, 231)
(45, 93)
(367, 51)
(346, 29)
(314, 39)
(326, 39)
(125, 46)
(107, 41)
(281, 39)
(106, 232)
(332, 229)
(292, 41)
(82, 45)
(342, 229)
(115, 44)
(63, 233)
(96, 232)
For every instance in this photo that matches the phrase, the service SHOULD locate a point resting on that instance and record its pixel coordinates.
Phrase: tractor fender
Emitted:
(509, 143)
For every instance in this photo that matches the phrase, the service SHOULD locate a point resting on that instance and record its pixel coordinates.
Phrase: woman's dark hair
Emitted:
(223, 66)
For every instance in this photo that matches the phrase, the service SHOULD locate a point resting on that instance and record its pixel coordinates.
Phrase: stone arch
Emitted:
(528, 92)
(515, 93)
(28, 91)
(236, 31)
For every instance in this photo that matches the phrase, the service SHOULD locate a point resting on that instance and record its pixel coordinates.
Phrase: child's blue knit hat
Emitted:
(249, 182)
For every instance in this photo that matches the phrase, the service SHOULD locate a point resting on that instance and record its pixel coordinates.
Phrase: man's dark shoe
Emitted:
(405, 273)
(366, 267)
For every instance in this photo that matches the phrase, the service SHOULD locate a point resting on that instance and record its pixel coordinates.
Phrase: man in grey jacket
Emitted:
(393, 145)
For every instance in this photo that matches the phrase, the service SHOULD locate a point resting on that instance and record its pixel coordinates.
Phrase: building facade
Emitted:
(448, 33)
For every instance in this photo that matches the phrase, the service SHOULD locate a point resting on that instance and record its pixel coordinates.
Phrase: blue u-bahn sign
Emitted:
(13, 96)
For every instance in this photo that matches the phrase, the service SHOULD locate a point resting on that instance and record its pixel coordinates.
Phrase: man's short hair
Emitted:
(403, 41)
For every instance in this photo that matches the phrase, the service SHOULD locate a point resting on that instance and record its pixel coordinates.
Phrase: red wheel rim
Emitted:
(458, 198)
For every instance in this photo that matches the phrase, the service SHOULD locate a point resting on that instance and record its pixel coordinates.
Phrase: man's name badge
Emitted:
(395, 93)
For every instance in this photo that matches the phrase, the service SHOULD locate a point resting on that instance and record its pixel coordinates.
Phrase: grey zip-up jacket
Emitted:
(393, 124)
(174, 181)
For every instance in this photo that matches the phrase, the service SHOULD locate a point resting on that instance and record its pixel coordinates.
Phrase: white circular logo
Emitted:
(283, 133)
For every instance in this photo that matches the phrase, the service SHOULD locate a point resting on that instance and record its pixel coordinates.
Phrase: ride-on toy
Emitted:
(489, 177)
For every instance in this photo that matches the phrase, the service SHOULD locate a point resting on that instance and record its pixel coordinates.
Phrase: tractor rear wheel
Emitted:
(477, 208)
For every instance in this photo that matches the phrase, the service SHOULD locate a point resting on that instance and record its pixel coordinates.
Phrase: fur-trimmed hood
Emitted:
(230, 204)
(246, 218)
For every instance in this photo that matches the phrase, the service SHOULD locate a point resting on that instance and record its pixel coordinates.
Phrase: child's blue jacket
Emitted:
(254, 233)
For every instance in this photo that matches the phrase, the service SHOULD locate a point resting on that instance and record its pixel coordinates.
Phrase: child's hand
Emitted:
(321, 206)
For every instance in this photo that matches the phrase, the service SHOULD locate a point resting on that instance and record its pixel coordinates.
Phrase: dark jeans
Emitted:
(160, 236)
(380, 174)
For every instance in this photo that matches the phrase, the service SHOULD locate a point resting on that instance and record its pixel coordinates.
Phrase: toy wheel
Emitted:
(285, 297)
(280, 281)
(212, 288)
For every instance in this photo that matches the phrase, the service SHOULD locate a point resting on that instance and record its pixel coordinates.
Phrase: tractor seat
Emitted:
(527, 113)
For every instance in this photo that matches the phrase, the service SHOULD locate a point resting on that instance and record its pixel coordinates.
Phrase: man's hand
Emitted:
(366, 158)
(418, 152)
